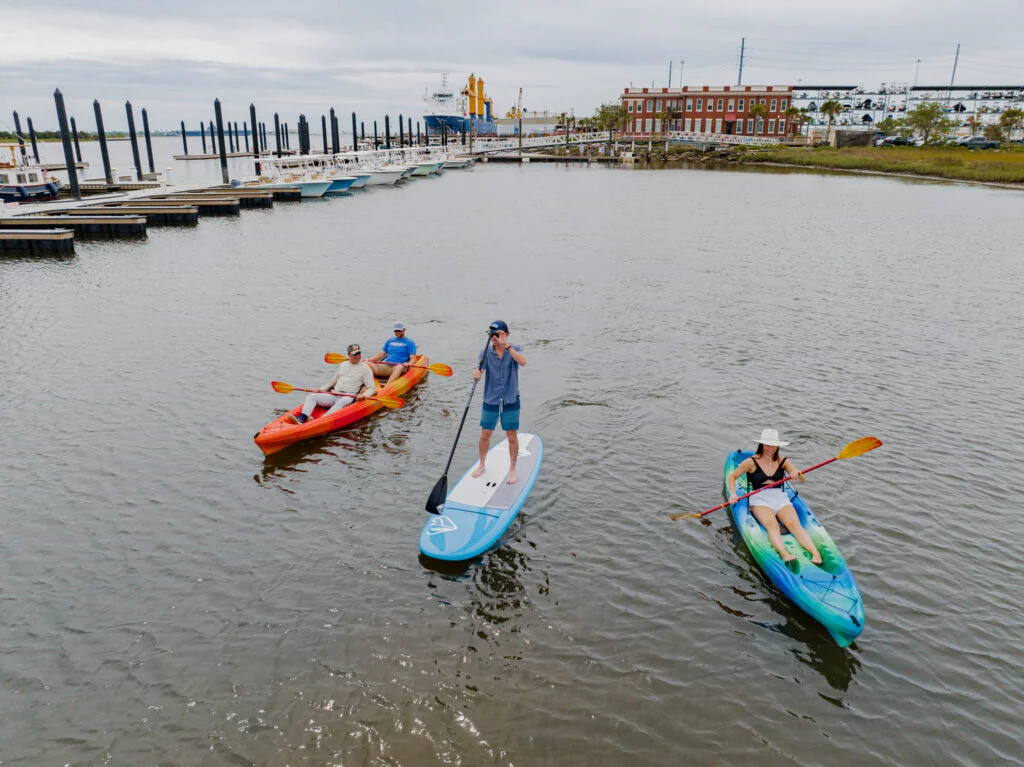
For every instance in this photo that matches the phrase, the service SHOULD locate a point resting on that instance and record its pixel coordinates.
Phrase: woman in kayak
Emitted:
(772, 506)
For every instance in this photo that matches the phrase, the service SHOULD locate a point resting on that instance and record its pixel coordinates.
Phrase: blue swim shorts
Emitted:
(509, 416)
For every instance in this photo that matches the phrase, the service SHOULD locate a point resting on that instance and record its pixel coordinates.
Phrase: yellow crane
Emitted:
(517, 110)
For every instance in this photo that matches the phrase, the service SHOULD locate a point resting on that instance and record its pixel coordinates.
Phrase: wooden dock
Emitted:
(156, 215)
(37, 241)
(82, 226)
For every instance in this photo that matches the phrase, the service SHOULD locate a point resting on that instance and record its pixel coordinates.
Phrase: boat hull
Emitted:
(29, 192)
(342, 184)
(385, 177)
(281, 432)
(828, 593)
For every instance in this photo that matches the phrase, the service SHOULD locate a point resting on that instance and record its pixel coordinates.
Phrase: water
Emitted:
(168, 596)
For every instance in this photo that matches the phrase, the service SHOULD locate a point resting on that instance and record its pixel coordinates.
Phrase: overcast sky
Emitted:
(378, 56)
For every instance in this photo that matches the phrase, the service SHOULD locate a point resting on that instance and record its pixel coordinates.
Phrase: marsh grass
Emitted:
(999, 166)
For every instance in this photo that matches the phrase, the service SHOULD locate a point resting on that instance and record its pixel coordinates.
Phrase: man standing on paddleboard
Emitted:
(501, 362)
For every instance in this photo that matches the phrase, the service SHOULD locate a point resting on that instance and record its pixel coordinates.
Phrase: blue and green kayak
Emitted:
(827, 592)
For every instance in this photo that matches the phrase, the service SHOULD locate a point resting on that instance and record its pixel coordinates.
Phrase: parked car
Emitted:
(895, 141)
(978, 142)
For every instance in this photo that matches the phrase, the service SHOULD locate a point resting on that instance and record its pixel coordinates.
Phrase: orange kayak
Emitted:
(281, 432)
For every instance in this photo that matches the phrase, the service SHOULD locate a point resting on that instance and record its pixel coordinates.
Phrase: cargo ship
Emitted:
(456, 112)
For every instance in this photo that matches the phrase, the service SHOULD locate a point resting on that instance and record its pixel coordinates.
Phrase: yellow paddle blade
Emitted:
(685, 515)
(333, 358)
(859, 447)
(282, 388)
(440, 368)
(387, 401)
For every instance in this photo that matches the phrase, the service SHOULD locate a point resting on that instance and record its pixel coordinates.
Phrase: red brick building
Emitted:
(709, 109)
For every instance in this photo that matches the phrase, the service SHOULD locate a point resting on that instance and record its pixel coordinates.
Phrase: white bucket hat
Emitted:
(770, 437)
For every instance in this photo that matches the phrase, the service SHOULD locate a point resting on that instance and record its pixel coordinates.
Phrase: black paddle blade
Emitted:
(435, 503)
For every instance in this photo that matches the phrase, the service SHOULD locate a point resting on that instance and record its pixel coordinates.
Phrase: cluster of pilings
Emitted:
(221, 148)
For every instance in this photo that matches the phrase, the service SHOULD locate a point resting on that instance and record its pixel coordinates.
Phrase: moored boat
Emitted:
(281, 432)
(20, 182)
(827, 592)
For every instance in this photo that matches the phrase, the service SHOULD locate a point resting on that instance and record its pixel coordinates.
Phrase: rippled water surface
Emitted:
(169, 596)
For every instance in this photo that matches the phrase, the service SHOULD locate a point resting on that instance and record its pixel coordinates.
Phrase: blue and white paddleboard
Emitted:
(478, 511)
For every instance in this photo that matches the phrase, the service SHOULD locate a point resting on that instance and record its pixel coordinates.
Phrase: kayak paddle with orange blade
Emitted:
(852, 450)
(333, 358)
(386, 400)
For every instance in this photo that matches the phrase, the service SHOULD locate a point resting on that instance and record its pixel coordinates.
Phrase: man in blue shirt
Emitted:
(392, 360)
(501, 362)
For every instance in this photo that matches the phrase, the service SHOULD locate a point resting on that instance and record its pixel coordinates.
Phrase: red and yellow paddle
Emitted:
(385, 399)
(333, 358)
(852, 450)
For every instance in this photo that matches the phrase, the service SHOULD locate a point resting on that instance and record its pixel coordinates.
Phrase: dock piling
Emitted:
(335, 133)
(213, 137)
(323, 129)
(410, 131)
(184, 138)
(387, 132)
(74, 137)
(277, 133)
(101, 135)
(134, 139)
(255, 137)
(401, 131)
(32, 138)
(149, 140)
(220, 136)
(245, 135)
(21, 138)
(376, 143)
(202, 132)
(65, 139)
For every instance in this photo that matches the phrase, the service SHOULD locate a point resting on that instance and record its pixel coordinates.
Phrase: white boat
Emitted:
(427, 168)
(310, 188)
(458, 162)
(384, 176)
(25, 183)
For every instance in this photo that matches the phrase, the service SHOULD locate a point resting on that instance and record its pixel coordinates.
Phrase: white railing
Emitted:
(714, 138)
(488, 145)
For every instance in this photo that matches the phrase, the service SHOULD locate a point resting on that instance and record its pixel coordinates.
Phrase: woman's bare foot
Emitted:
(478, 471)
(511, 476)
(816, 559)
(787, 557)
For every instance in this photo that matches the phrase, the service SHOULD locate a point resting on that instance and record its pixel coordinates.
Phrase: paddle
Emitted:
(852, 450)
(386, 400)
(435, 502)
(333, 358)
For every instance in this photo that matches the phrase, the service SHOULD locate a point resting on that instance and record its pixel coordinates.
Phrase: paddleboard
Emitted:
(478, 510)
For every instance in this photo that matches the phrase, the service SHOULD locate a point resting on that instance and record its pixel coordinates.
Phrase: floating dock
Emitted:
(37, 241)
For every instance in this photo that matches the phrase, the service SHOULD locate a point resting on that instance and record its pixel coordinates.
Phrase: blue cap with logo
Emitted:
(497, 325)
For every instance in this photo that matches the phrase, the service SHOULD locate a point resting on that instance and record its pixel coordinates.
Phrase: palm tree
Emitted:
(795, 118)
(1011, 120)
(759, 112)
(973, 123)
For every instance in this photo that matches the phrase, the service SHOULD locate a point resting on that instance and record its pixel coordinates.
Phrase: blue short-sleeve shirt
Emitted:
(502, 383)
(399, 350)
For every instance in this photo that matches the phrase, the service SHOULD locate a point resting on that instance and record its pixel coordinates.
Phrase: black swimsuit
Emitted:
(758, 479)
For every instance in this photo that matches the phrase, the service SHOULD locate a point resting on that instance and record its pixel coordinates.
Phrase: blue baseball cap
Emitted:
(498, 325)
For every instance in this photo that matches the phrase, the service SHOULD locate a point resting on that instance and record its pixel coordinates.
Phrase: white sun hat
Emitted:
(770, 437)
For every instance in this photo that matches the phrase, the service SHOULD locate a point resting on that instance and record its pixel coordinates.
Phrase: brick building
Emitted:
(709, 109)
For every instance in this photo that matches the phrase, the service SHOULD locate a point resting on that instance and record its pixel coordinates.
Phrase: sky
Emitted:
(174, 57)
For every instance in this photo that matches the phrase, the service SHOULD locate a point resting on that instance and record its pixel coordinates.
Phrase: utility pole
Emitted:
(743, 48)
(670, 73)
(949, 93)
(681, 62)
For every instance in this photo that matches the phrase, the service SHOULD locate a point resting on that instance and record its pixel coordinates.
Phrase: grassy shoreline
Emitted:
(1005, 166)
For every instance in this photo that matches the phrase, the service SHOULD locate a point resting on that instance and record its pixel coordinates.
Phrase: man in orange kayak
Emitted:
(501, 362)
(352, 376)
(392, 360)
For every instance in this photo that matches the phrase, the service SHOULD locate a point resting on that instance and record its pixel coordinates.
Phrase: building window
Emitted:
(743, 103)
(771, 126)
(732, 105)
(657, 126)
(650, 105)
(774, 104)
(689, 105)
(720, 103)
(629, 106)
(785, 104)
(658, 108)
(750, 126)
(636, 125)
(700, 105)
(689, 125)
(718, 125)
(782, 126)
(649, 125)
(762, 101)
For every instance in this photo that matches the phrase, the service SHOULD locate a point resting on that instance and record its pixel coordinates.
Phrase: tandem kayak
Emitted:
(281, 432)
(827, 592)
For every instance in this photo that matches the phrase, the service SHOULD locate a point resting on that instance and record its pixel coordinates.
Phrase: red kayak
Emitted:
(281, 432)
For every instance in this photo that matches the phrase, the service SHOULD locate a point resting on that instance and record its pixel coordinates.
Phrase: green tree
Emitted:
(889, 125)
(831, 109)
(973, 123)
(759, 112)
(929, 117)
(1011, 120)
(795, 118)
(994, 132)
